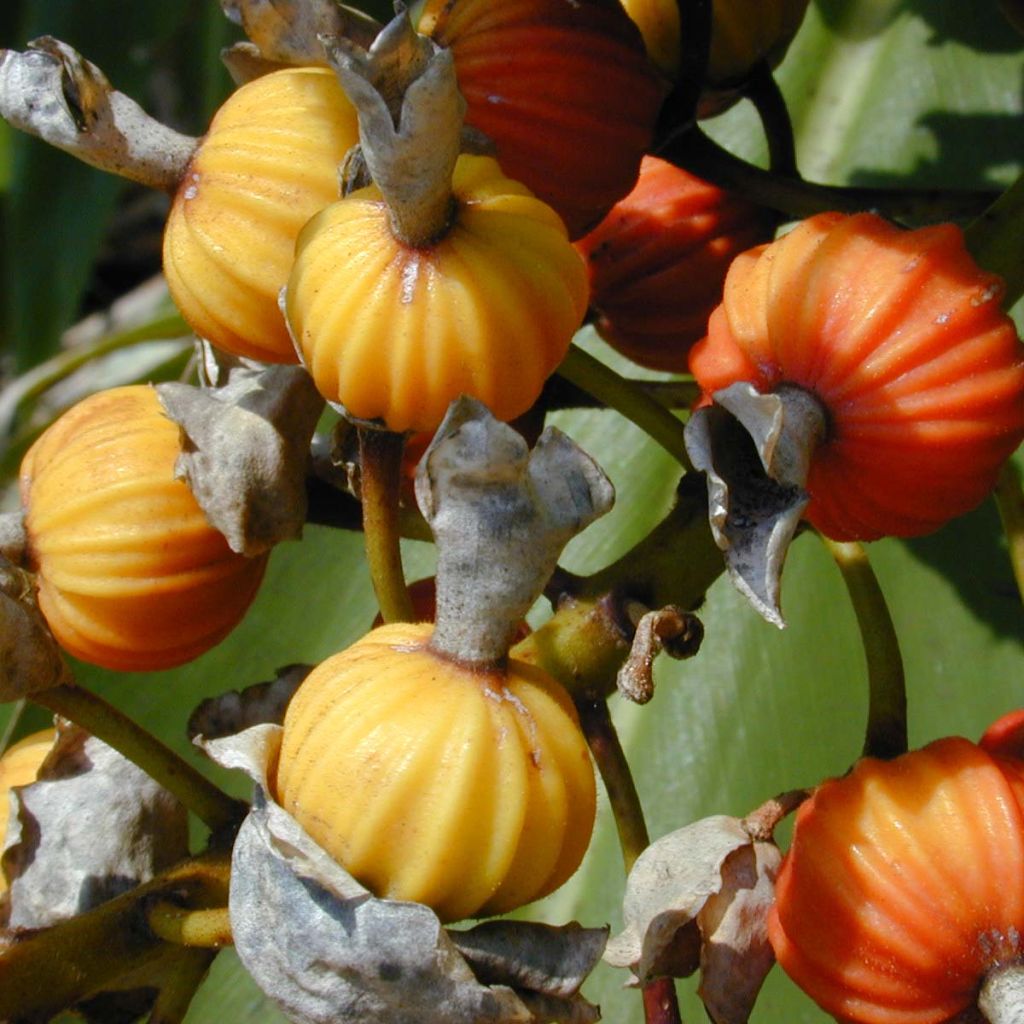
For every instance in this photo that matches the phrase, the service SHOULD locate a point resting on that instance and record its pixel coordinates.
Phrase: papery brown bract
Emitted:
(901, 338)
(561, 87)
(130, 574)
(657, 262)
(904, 885)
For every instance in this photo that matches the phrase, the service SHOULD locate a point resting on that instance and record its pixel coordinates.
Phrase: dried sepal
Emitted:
(501, 515)
(30, 657)
(289, 31)
(92, 826)
(410, 123)
(699, 898)
(756, 450)
(245, 449)
(327, 952)
(51, 91)
(673, 630)
(237, 710)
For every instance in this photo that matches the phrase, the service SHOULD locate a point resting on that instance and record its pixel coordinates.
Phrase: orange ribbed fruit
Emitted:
(131, 576)
(19, 766)
(901, 338)
(904, 885)
(471, 791)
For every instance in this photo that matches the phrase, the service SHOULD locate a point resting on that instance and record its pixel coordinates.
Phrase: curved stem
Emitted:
(797, 198)
(994, 239)
(659, 996)
(618, 393)
(209, 803)
(17, 710)
(1009, 497)
(886, 734)
(763, 91)
(208, 928)
(179, 985)
(380, 454)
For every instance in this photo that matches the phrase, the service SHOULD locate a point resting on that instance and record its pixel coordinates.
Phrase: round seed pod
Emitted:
(657, 262)
(900, 338)
(563, 90)
(19, 766)
(268, 163)
(902, 894)
(465, 788)
(131, 576)
(395, 333)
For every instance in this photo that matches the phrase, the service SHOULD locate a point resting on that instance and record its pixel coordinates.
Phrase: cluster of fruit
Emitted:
(435, 216)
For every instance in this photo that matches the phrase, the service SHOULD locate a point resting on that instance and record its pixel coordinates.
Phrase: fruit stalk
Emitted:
(1010, 502)
(380, 459)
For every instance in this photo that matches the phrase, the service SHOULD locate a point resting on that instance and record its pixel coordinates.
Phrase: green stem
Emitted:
(48, 970)
(618, 393)
(210, 804)
(1010, 502)
(179, 985)
(17, 710)
(659, 996)
(996, 240)
(886, 734)
(798, 198)
(763, 91)
(380, 457)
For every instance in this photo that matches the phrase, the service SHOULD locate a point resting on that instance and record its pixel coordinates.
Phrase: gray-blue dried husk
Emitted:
(328, 952)
(699, 898)
(51, 91)
(92, 826)
(245, 447)
(756, 451)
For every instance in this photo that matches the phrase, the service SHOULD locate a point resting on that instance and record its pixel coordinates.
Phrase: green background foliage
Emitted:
(882, 92)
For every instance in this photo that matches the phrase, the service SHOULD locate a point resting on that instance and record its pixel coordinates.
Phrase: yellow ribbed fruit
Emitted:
(470, 791)
(19, 766)
(268, 163)
(397, 333)
(131, 576)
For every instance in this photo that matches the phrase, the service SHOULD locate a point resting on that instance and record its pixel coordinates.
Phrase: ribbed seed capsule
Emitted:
(469, 790)
(904, 885)
(131, 576)
(268, 163)
(396, 333)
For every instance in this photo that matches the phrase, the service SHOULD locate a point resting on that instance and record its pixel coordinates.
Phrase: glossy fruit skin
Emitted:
(904, 885)
(396, 333)
(130, 574)
(562, 88)
(471, 791)
(743, 33)
(901, 337)
(19, 766)
(268, 163)
(657, 262)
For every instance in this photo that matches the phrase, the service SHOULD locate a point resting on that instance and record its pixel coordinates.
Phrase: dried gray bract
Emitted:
(756, 451)
(328, 952)
(30, 658)
(92, 826)
(233, 712)
(699, 898)
(289, 31)
(245, 450)
(501, 515)
(51, 91)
